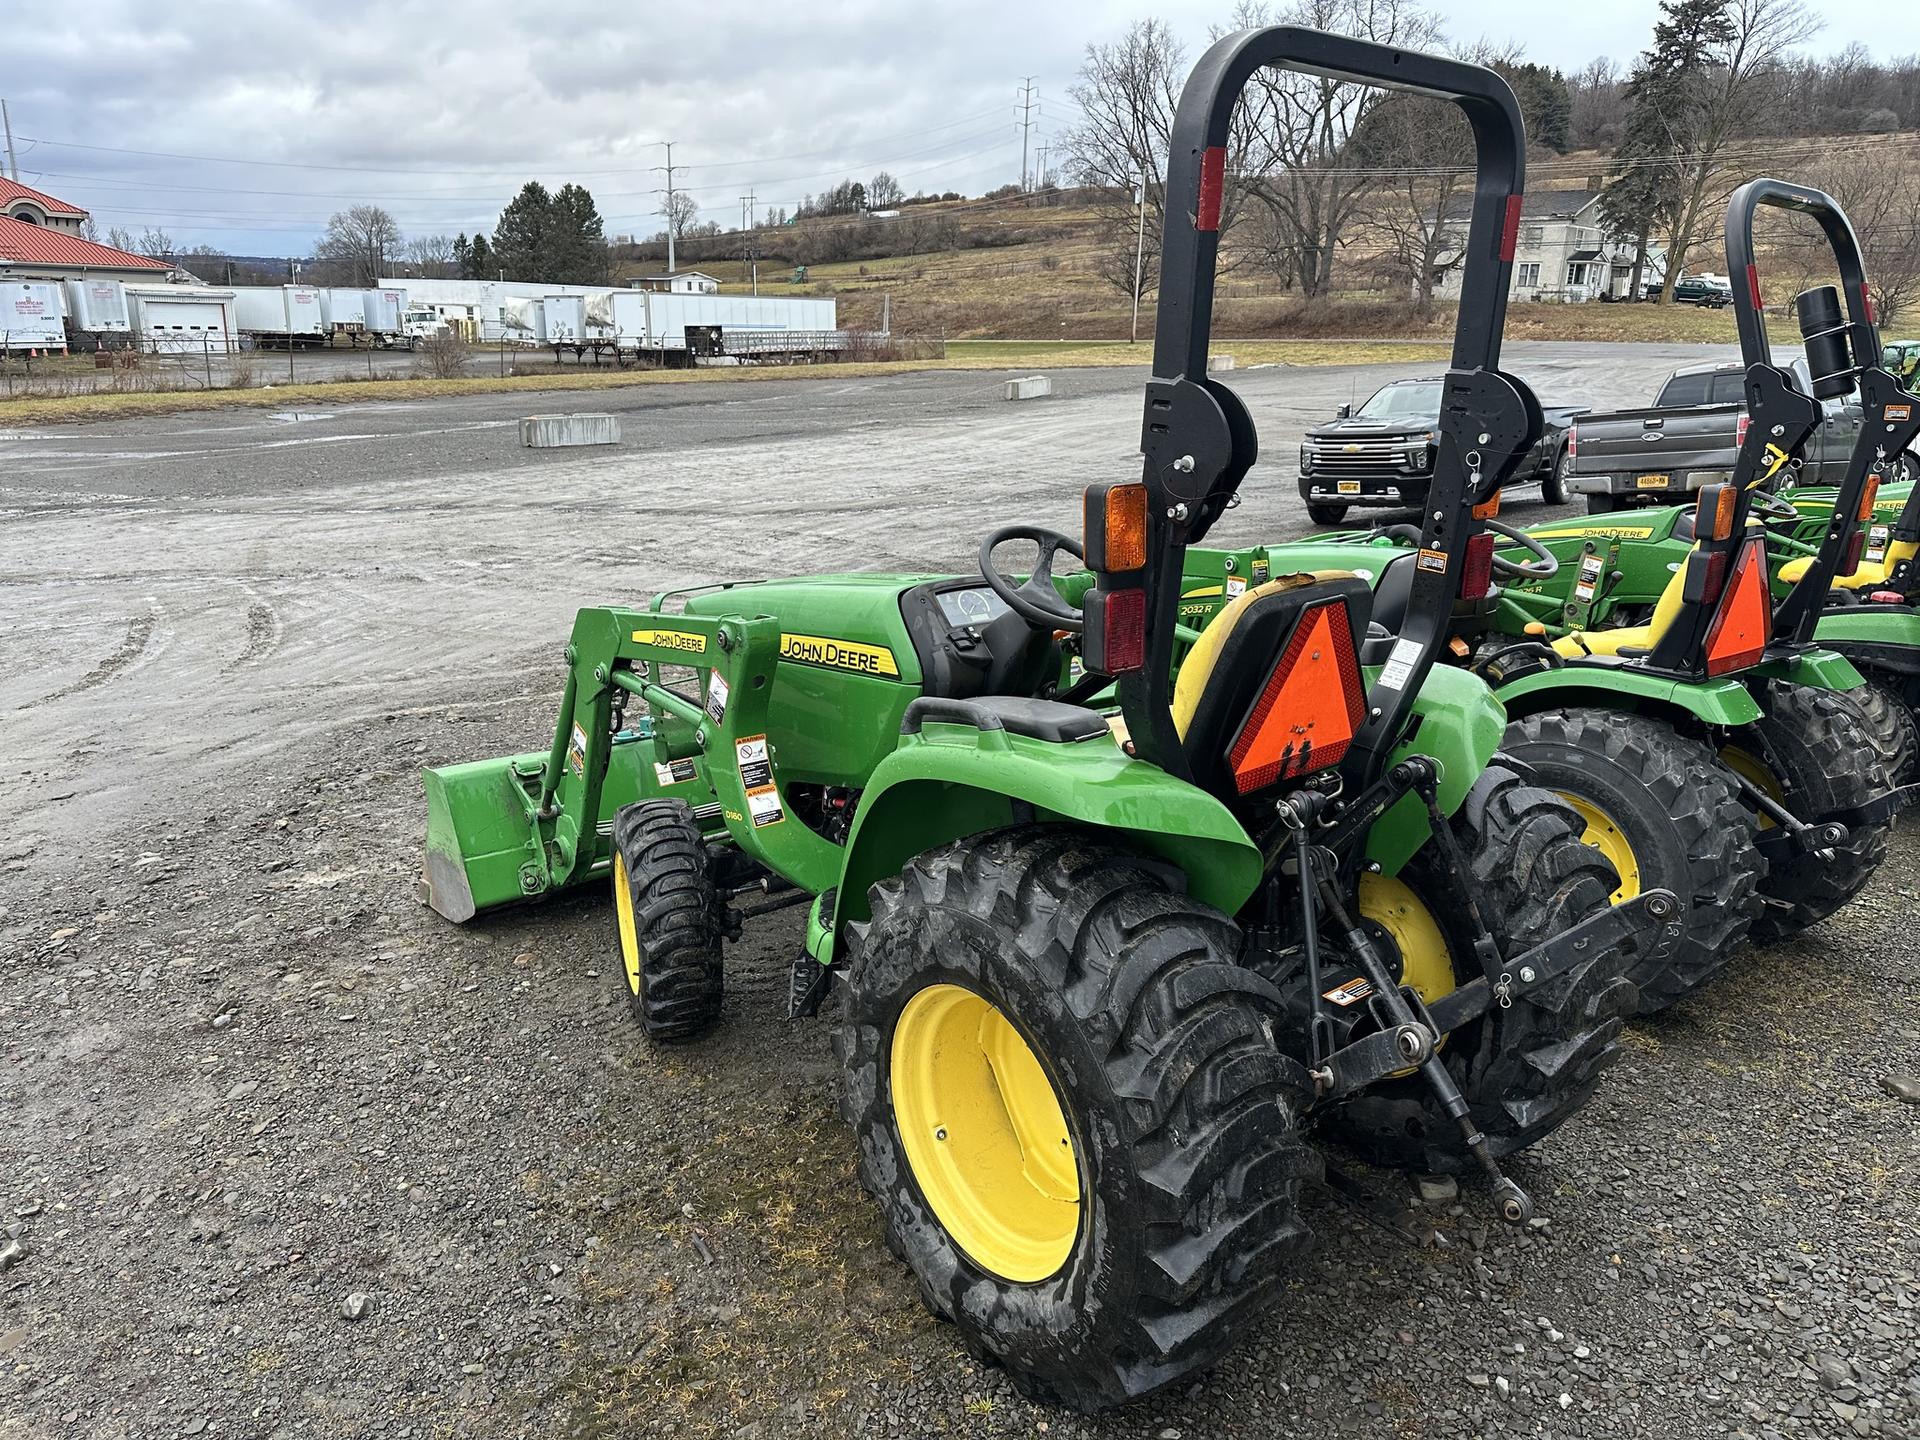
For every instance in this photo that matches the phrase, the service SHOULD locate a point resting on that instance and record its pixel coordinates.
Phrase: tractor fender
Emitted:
(1457, 721)
(951, 781)
(1712, 702)
(1820, 668)
(1886, 638)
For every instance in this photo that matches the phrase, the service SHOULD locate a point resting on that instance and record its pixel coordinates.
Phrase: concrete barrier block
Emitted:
(1032, 387)
(1219, 362)
(546, 432)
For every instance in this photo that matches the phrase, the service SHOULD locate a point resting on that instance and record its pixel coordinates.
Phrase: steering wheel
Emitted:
(1036, 602)
(1543, 564)
(1771, 506)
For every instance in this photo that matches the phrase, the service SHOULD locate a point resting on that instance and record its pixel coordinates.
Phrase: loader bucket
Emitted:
(480, 835)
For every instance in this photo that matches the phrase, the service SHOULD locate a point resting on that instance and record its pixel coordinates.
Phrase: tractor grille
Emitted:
(1358, 457)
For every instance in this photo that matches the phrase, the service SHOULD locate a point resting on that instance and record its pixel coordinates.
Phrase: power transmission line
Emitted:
(1026, 127)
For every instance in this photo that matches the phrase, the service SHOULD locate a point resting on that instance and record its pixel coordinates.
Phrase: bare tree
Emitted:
(679, 209)
(1127, 92)
(1880, 191)
(360, 241)
(1417, 214)
(1728, 100)
(154, 241)
(1599, 94)
(1303, 175)
(121, 238)
(432, 256)
(884, 192)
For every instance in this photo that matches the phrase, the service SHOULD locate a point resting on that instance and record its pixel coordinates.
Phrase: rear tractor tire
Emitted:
(1070, 1109)
(1889, 722)
(1811, 752)
(1524, 1069)
(1666, 815)
(669, 919)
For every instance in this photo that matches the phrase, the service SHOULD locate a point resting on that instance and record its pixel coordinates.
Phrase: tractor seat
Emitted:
(1872, 574)
(1272, 689)
(1628, 640)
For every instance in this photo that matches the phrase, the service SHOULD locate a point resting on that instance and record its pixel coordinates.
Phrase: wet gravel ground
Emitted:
(284, 1154)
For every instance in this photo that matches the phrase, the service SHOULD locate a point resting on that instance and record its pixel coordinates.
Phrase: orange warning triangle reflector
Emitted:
(1310, 708)
(1743, 625)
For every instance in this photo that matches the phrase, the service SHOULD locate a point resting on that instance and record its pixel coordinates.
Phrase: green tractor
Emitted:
(1712, 746)
(1112, 952)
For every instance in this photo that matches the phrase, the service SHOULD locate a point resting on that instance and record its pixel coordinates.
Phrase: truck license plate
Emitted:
(1348, 487)
(1652, 482)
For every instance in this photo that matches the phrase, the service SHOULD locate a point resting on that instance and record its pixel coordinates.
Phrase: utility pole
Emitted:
(1139, 255)
(669, 168)
(1026, 126)
(753, 241)
(13, 163)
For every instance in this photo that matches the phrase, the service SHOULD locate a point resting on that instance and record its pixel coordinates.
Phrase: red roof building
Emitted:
(36, 251)
(21, 202)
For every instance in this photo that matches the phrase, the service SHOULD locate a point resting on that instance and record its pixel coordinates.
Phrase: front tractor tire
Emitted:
(1811, 752)
(1664, 812)
(669, 919)
(1071, 1111)
(1527, 1068)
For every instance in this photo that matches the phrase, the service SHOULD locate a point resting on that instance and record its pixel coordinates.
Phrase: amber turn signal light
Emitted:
(1867, 497)
(1116, 528)
(1713, 513)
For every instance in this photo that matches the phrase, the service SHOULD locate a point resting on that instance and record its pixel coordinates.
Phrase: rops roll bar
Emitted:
(1199, 441)
(1840, 355)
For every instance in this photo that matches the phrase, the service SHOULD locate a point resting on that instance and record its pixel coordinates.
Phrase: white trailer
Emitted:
(98, 308)
(32, 315)
(678, 325)
(277, 317)
(344, 311)
(183, 319)
(522, 319)
(383, 313)
(563, 320)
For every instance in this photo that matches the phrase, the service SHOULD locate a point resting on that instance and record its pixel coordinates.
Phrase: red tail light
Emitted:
(1573, 441)
(1476, 576)
(1713, 577)
(1116, 634)
(1850, 562)
(1740, 430)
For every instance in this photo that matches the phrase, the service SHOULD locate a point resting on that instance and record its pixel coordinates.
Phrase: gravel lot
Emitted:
(250, 1089)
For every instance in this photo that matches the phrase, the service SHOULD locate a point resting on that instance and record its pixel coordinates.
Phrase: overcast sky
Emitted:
(440, 111)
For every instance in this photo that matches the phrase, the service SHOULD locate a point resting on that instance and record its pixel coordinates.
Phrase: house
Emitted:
(18, 202)
(678, 282)
(1565, 251)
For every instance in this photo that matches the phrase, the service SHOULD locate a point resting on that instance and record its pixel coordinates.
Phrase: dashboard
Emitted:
(976, 605)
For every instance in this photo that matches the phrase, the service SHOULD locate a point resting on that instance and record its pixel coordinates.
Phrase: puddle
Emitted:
(295, 417)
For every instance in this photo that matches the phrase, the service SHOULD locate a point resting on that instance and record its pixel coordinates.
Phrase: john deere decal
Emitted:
(683, 640)
(839, 655)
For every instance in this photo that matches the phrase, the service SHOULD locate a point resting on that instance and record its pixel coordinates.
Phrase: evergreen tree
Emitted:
(462, 256)
(480, 262)
(523, 235)
(1546, 104)
(577, 248)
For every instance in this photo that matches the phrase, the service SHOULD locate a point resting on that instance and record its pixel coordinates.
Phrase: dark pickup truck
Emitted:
(1688, 438)
(1381, 455)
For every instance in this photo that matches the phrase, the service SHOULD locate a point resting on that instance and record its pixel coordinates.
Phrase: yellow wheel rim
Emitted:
(984, 1134)
(1425, 961)
(623, 912)
(1606, 836)
(1749, 766)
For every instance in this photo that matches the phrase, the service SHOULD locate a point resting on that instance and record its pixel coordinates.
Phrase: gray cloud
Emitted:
(440, 111)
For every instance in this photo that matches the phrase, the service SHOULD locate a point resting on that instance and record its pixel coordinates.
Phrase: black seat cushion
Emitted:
(1048, 720)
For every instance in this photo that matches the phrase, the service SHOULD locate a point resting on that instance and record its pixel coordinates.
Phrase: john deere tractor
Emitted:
(1710, 744)
(1112, 954)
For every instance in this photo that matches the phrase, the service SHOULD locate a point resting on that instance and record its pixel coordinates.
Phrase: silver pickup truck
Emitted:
(1688, 438)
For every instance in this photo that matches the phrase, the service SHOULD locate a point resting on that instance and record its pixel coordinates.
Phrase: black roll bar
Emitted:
(1199, 441)
(1890, 416)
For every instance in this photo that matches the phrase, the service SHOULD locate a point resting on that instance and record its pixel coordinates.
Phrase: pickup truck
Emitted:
(1381, 455)
(1689, 437)
(1708, 290)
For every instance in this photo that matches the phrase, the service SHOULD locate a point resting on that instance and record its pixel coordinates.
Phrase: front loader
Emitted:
(1114, 953)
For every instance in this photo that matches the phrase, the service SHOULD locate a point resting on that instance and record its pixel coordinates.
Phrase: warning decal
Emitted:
(676, 773)
(756, 778)
(577, 751)
(1355, 990)
(839, 655)
(1432, 560)
(685, 641)
(716, 697)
